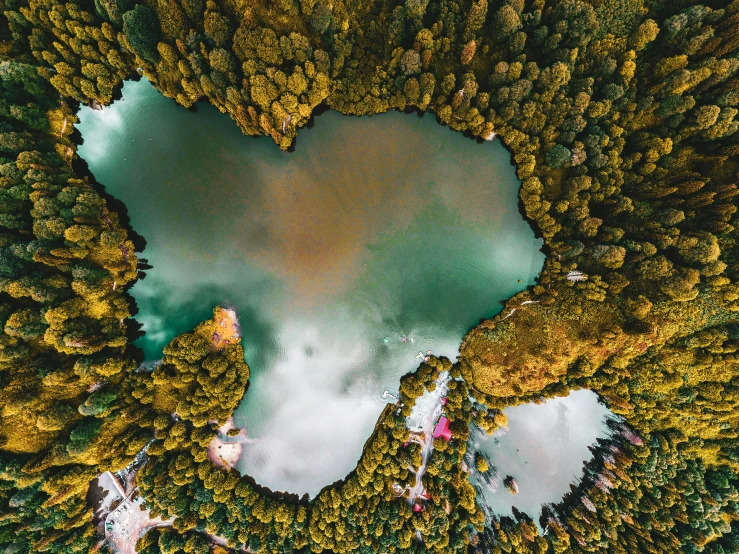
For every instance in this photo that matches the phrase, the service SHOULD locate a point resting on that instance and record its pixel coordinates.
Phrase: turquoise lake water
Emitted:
(377, 238)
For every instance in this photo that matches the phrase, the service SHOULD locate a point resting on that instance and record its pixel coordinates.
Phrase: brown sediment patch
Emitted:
(225, 454)
(227, 329)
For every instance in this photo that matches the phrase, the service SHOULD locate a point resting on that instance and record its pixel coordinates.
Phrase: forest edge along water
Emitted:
(375, 240)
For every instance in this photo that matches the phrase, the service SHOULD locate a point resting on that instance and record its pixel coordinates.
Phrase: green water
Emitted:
(375, 239)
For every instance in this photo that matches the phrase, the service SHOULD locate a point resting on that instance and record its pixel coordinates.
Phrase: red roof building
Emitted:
(417, 508)
(442, 429)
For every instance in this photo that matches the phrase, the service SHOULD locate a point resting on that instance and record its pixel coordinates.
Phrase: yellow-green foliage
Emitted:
(620, 117)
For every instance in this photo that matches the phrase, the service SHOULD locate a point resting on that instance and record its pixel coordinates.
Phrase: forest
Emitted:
(621, 118)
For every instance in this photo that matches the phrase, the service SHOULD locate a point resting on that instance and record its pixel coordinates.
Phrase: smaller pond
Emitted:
(543, 449)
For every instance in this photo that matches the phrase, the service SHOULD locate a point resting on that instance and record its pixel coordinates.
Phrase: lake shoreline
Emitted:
(339, 281)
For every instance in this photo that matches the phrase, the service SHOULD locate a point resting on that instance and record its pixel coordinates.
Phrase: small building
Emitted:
(443, 401)
(105, 492)
(442, 429)
(111, 483)
(417, 508)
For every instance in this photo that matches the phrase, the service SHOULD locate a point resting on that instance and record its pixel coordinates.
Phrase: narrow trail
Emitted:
(525, 303)
(421, 422)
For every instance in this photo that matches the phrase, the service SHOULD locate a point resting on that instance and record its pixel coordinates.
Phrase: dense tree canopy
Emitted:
(621, 117)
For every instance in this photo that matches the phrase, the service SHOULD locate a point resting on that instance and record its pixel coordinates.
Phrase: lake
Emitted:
(543, 448)
(376, 239)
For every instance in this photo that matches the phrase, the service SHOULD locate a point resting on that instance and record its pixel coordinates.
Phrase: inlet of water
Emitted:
(376, 239)
(543, 448)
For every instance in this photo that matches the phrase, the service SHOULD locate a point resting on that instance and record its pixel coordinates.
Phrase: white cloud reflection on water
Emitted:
(544, 449)
(318, 403)
(373, 228)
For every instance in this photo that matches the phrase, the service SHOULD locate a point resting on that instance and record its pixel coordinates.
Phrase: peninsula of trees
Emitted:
(621, 117)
